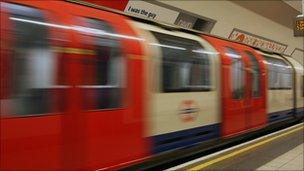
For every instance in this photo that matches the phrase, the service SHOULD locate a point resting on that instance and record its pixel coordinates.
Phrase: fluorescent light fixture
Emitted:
(40, 23)
(82, 29)
(94, 31)
(167, 46)
(233, 55)
(205, 52)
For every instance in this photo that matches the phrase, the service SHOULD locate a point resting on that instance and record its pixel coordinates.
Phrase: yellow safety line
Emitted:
(203, 165)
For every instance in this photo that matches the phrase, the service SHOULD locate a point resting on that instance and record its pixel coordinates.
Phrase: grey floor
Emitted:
(285, 153)
(292, 160)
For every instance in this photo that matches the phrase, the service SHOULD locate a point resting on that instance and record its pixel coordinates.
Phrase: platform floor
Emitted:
(292, 160)
(280, 151)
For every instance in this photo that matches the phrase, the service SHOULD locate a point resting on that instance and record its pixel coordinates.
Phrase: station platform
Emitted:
(282, 150)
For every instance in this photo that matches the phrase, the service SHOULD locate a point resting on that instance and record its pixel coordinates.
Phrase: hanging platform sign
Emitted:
(299, 26)
(257, 41)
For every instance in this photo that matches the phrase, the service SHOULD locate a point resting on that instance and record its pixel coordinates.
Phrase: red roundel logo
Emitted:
(188, 110)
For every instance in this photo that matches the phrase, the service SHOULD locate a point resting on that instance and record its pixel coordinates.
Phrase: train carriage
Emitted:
(88, 89)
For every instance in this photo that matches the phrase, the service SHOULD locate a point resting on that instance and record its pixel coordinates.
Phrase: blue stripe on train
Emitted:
(276, 116)
(190, 137)
(184, 138)
(300, 112)
(281, 115)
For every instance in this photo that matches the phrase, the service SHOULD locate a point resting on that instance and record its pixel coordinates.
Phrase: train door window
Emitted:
(237, 73)
(279, 74)
(103, 80)
(185, 64)
(255, 74)
(32, 65)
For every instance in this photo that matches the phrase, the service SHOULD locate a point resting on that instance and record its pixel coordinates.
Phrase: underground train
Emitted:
(90, 89)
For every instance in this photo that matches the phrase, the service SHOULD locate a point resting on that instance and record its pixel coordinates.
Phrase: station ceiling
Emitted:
(296, 4)
(282, 12)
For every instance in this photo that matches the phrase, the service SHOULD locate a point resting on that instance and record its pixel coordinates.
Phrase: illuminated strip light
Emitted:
(198, 86)
(77, 28)
(283, 66)
(233, 55)
(99, 86)
(103, 33)
(40, 23)
(167, 46)
(205, 52)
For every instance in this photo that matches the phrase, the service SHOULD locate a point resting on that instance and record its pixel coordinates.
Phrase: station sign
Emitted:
(257, 41)
(151, 11)
(299, 26)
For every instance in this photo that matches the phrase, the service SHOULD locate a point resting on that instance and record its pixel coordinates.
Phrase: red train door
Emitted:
(244, 101)
(242, 86)
(110, 87)
(233, 89)
(255, 92)
(32, 99)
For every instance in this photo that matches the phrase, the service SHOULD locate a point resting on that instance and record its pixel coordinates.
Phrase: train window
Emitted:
(255, 74)
(185, 65)
(32, 65)
(279, 74)
(103, 71)
(237, 73)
